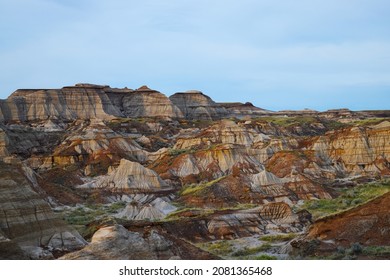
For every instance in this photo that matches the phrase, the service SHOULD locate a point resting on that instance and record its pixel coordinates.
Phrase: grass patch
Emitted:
(196, 189)
(288, 121)
(92, 212)
(176, 152)
(219, 248)
(377, 251)
(199, 212)
(116, 206)
(83, 216)
(265, 257)
(278, 238)
(334, 125)
(349, 198)
(370, 121)
(252, 250)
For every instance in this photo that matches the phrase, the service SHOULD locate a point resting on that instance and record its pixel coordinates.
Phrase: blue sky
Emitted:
(278, 55)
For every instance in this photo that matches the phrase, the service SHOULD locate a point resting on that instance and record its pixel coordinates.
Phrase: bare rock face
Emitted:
(130, 176)
(27, 220)
(146, 207)
(243, 110)
(197, 106)
(85, 101)
(97, 144)
(88, 101)
(145, 102)
(356, 150)
(223, 132)
(68, 103)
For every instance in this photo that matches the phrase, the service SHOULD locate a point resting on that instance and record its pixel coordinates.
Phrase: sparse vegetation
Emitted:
(279, 237)
(376, 251)
(370, 121)
(265, 257)
(335, 125)
(176, 152)
(252, 250)
(194, 189)
(349, 198)
(356, 251)
(288, 121)
(199, 213)
(92, 212)
(219, 248)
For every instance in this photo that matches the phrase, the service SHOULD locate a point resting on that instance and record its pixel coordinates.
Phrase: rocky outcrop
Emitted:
(117, 243)
(269, 218)
(244, 110)
(68, 103)
(356, 150)
(28, 221)
(145, 207)
(223, 132)
(85, 101)
(129, 176)
(145, 102)
(366, 225)
(197, 106)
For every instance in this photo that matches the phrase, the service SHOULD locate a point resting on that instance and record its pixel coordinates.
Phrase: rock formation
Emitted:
(85, 101)
(365, 225)
(272, 217)
(175, 169)
(27, 220)
(131, 176)
(197, 106)
(145, 102)
(117, 243)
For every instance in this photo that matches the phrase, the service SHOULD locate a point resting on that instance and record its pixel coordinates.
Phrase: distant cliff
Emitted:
(87, 101)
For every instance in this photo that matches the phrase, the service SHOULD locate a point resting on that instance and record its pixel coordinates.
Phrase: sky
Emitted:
(286, 54)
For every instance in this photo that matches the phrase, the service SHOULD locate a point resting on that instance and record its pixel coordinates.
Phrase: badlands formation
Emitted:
(93, 172)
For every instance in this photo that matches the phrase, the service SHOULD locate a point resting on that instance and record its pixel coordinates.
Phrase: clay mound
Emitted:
(141, 210)
(130, 175)
(265, 178)
(368, 224)
(149, 212)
